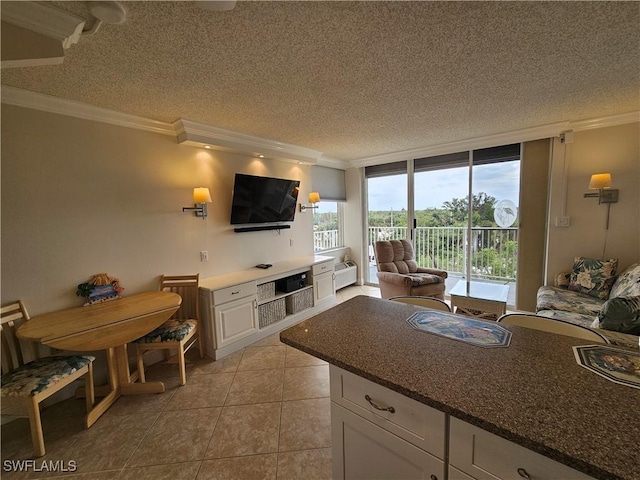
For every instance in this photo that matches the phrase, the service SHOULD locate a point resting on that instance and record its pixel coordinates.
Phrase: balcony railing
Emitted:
(325, 240)
(494, 251)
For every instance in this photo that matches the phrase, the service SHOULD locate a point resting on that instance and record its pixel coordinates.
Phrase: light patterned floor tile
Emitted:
(228, 364)
(258, 386)
(298, 358)
(202, 391)
(305, 464)
(255, 467)
(306, 382)
(246, 430)
(171, 471)
(262, 358)
(177, 436)
(305, 424)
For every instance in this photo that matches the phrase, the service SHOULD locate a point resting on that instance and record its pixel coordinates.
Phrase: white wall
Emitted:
(613, 149)
(82, 197)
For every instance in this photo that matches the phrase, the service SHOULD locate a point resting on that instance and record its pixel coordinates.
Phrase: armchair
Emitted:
(399, 274)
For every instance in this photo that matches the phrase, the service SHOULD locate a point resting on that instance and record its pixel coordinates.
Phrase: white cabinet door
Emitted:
(323, 287)
(362, 450)
(235, 320)
(485, 456)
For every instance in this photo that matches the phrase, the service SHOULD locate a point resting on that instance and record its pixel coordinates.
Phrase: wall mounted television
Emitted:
(263, 199)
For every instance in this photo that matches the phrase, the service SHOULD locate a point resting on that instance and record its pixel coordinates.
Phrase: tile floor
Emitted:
(259, 413)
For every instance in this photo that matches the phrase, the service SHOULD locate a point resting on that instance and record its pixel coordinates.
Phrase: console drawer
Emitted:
(235, 292)
(413, 421)
(323, 267)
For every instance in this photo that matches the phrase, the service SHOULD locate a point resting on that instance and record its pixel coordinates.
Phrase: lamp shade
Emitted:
(201, 195)
(314, 197)
(600, 180)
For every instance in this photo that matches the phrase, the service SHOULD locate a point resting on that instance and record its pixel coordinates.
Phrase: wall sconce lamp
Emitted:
(201, 197)
(314, 197)
(605, 194)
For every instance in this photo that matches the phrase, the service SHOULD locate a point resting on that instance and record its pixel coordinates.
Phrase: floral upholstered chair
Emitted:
(27, 383)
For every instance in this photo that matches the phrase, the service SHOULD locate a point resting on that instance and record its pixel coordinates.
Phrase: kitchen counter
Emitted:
(532, 393)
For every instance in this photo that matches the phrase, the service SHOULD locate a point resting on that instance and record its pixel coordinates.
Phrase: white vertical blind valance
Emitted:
(329, 183)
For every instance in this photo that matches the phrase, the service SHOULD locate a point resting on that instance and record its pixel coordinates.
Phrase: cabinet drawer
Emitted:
(483, 455)
(323, 267)
(235, 292)
(413, 421)
(362, 450)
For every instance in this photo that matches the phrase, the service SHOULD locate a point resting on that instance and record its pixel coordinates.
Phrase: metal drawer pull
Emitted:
(523, 473)
(433, 477)
(388, 409)
(235, 293)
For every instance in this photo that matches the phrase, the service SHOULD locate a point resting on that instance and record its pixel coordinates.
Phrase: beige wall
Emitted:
(81, 197)
(612, 149)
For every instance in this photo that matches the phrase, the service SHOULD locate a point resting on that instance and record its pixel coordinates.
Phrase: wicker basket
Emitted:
(299, 301)
(271, 312)
(266, 290)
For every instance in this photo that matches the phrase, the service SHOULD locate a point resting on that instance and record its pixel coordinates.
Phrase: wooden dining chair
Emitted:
(428, 302)
(554, 326)
(26, 384)
(178, 333)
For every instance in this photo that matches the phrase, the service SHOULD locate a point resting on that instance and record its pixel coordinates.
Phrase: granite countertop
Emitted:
(532, 393)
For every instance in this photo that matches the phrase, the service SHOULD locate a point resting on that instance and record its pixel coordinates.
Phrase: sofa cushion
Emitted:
(628, 283)
(593, 277)
(621, 314)
(556, 298)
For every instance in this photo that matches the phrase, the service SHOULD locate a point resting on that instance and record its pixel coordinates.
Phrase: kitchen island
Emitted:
(531, 395)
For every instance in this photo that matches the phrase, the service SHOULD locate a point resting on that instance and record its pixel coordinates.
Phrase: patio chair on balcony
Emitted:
(399, 273)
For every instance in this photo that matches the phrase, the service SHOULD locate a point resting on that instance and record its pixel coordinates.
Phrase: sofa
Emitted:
(592, 295)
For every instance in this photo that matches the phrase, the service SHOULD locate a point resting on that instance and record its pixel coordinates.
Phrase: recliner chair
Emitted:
(399, 273)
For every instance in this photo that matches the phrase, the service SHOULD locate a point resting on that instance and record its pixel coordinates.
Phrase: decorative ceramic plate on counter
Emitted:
(456, 327)
(619, 366)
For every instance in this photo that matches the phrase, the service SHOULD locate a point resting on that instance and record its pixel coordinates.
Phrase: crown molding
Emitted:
(515, 136)
(505, 138)
(199, 135)
(51, 104)
(44, 19)
(603, 122)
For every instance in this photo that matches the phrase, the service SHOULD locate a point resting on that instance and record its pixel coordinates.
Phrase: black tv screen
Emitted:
(263, 199)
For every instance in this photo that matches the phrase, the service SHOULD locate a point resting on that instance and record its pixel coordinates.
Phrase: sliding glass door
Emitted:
(387, 216)
(460, 211)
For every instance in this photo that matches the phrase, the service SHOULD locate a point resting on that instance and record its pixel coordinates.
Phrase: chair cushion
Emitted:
(593, 277)
(38, 375)
(628, 283)
(418, 279)
(556, 298)
(172, 330)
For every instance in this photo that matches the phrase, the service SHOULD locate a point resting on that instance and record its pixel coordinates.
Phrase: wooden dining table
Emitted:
(106, 326)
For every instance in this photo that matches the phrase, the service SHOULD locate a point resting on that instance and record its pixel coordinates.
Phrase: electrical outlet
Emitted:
(291, 242)
(204, 256)
(563, 221)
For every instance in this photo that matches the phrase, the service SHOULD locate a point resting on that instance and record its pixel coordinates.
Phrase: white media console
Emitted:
(242, 307)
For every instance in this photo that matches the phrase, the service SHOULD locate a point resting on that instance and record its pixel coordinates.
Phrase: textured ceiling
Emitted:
(356, 79)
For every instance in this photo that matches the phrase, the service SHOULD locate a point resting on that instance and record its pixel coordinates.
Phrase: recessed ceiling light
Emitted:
(261, 156)
(207, 146)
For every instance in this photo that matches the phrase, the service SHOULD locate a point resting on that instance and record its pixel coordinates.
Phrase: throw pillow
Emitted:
(593, 277)
(621, 314)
